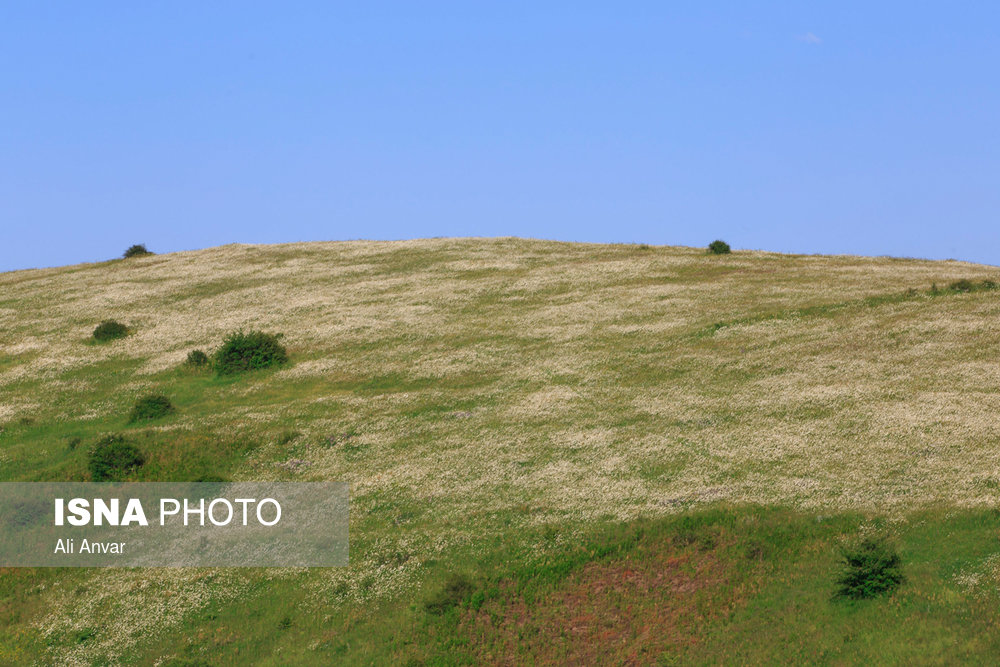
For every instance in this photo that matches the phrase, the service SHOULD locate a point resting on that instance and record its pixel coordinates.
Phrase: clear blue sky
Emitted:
(851, 127)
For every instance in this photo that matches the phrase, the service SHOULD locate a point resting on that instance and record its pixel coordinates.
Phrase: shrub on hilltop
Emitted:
(109, 330)
(719, 248)
(152, 406)
(112, 458)
(249, 351)
(137, 250)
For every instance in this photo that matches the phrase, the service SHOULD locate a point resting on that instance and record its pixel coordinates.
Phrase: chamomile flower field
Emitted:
(557, 452)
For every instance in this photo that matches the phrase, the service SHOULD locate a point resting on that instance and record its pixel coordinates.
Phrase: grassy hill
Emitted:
(557, 452)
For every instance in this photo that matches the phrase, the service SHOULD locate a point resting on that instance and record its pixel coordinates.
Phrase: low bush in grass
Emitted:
(252, 350)
(109, 330)
(719, 248)
(869, 569)
(112, 458)
(969, 286)
(137, 250)
(152, 406)
(964, 286)
(961, 286)
(197, 359)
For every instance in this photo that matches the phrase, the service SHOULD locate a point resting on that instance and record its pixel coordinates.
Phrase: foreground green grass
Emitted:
(734, 585)
(496, 404)
(729, 584)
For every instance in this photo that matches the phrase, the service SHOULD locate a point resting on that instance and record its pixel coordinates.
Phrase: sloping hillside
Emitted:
(479, 394)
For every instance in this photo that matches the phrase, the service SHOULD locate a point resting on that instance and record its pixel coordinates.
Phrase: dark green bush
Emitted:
(152, 406)
(197, 358)
(869, 569)
(137, 250)
(112, 458)
(249, 351)
(989, 284)
(455, 591)
(719, 248)
(110, 330)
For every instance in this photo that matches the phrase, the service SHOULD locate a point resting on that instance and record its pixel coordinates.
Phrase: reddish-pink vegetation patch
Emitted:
(628, 611)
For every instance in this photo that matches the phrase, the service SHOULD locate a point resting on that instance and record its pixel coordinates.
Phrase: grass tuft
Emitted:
(197, 359)
(961, 286)
(456, 590)
(152, 406)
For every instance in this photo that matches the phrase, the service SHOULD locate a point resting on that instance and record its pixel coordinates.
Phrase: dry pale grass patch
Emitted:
(509, 308)
(479, 376)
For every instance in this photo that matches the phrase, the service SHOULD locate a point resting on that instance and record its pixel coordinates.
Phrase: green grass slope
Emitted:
(557, 452)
